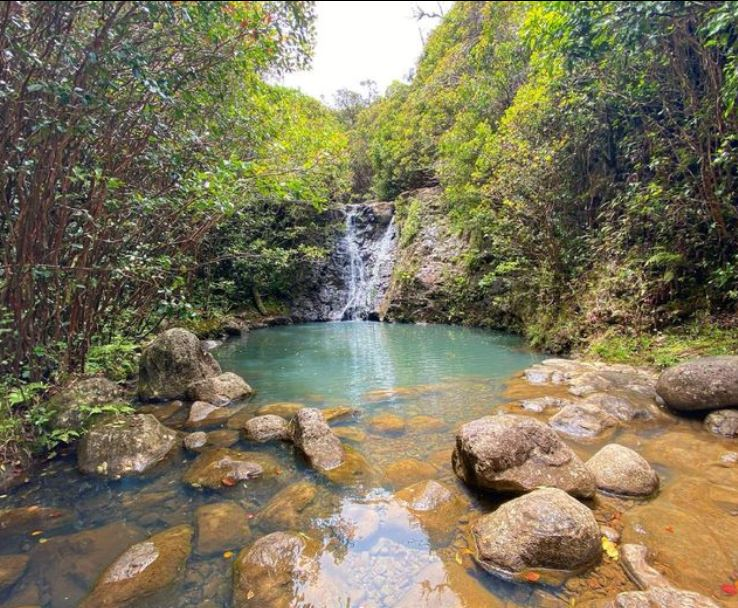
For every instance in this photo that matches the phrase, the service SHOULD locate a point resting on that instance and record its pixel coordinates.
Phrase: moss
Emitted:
(663, 349)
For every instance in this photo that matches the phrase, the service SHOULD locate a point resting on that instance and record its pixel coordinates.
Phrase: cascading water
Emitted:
(369, 264)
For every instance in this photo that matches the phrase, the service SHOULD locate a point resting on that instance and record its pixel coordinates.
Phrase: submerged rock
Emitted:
(125, 445)
(266, 428)
(436, 507)
(12, 568)
(221, 526)
(509, 453)
(723, 423)
(269, 572)
(216, 389)
(285, 509)
(171, 363)
(619, 407)
(659, 592)
(204, 414)
(142, 570)
(68, 405)
(582, 420)
(351, 433)
(20, 520)
(709, 383)
(425, 424)
(285, 409)
(338, 412)
(661, 597)
(409, 470)
(223, 467)
(389, 424)
(620, 470)
(314, 438)
(545, 529)
(541, 404)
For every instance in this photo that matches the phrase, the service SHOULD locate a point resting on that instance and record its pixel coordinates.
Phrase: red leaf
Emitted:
(729, 589)
(229, 482)
(532, 577)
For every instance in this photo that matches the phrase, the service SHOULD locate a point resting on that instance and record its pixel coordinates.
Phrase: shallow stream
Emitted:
(410, 386)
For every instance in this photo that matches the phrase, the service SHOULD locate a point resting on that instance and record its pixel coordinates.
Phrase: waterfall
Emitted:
(369, 266)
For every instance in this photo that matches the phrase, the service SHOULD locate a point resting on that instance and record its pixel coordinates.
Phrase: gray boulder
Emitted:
(315, 439)
(125, 445)
(509, 453)
(723, 423)
(171, 363)
(620, 470)
(224, 387)
(544, 529)
(710, 383)
(662, 597)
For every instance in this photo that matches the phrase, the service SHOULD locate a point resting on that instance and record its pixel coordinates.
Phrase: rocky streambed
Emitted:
(567, 483)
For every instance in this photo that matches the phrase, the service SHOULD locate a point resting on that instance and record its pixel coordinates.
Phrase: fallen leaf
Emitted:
(669, 529)
(41, 541)
(37, 533)
(729, 589)
(610, 548)
(458, 558)
(250, 595)
(228, 554)
(228, 482)
(532, 577)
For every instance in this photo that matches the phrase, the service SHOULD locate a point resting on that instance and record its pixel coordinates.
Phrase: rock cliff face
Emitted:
(352, 281)
(386, 265)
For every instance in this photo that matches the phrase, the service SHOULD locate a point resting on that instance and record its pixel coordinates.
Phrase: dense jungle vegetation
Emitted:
(588, 152)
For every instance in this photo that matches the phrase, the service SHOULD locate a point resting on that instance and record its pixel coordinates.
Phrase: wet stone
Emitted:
(582, 420)
(315, 439)
(12, 568)
(203, 414)
(195, 441)
(541, 404)
(508, 453)
(545, 529)
(143, 569)
(350, 433)
(125, 445)
(221, 526)
(266, 428)
(620, 470)
(222, 468)
(437, 508)
(723, 423)
(425, 424)
(285, 409)
(286, 508)
(223, 387)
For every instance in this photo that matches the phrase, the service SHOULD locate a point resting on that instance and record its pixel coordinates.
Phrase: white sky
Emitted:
(357, 41)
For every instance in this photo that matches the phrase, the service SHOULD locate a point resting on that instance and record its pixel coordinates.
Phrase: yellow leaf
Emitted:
(37, 533)
(42, 540)
(609, 548)
(458, 558)
(228, 554)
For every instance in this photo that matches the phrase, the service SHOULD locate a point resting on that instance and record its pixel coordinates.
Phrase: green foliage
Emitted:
(588, 151)
(117, 360)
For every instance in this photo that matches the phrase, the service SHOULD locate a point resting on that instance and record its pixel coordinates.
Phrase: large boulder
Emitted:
(266, 428)
(125, 445)
(269, 572)
(509, 453)
(68, 405)
(315, 439)
(546, 529)
(620, 470)
(710, 383)
(723, 423)
(223, 387)
(171, 363)
(142, 570)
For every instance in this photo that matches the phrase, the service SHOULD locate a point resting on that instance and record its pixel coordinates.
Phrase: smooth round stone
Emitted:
(620, 470)
(723, 423)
